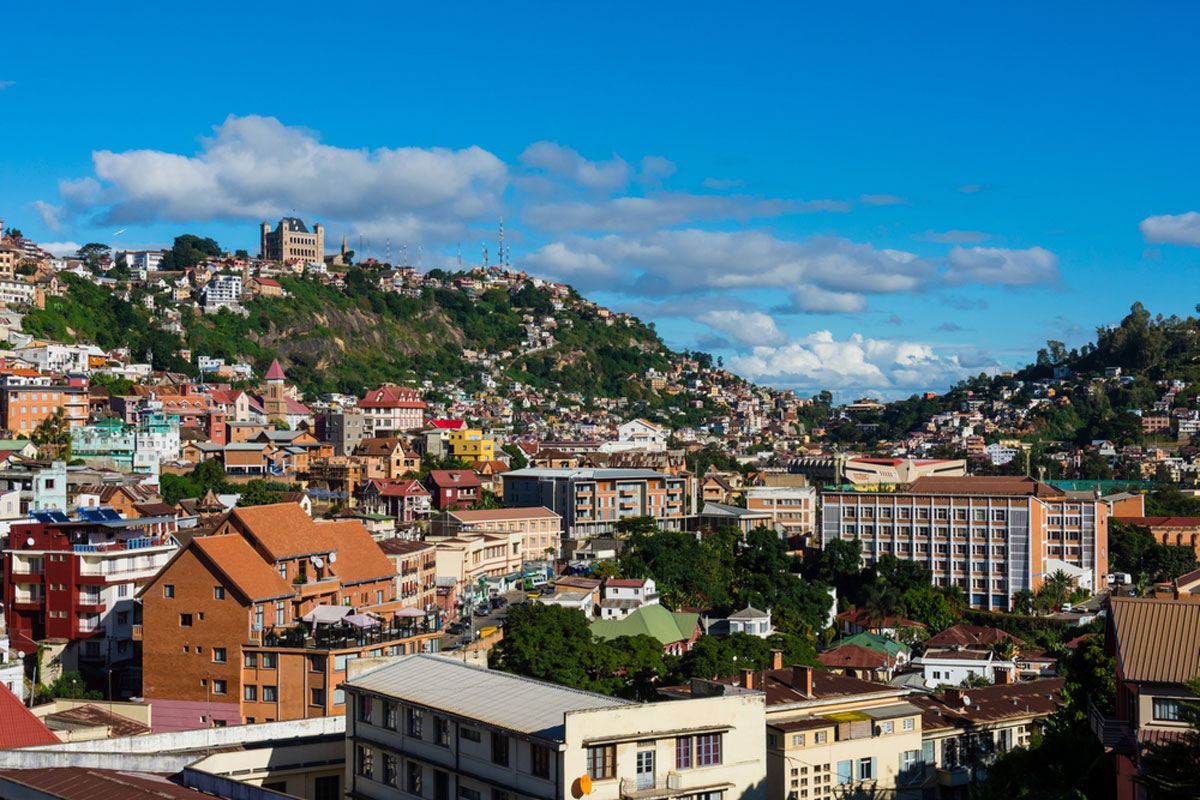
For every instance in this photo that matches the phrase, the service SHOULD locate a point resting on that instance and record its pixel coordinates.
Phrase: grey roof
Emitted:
(294, 224)
(749, 612)
(583, 474)
(494, 698)
(712, 509)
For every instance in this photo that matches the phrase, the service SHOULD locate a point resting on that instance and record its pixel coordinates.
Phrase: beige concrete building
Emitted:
(293, 241)
(792, 508)
(432, 727)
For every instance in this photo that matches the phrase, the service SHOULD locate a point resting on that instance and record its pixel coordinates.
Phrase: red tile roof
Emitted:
(970, 636)
(275, 373)
(862, 618)
(392, 397)
(1161, 522)
(359, 558)
(444, 478)
(18, 725)
(854, 656)
(283, 529)
(250, 574)
(989, 485)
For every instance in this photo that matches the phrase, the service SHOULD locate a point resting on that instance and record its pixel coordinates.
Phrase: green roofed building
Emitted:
(902, 653)
(676, 630)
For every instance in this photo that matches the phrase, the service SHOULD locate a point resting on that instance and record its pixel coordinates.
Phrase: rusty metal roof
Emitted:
(1158, 641)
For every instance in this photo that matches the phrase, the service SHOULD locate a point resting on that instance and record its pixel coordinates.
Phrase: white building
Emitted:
(640, 434)
(223, 291)
(420, 725)
(142, 260)
(624, 596)
(999, 454)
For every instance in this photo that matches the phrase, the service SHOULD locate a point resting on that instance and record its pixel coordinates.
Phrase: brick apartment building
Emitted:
(24, 406)
(392, 409)
(993, 536)
(76, 581)
(416, 571)
(224, 640)
(453, 488)
(592, 501)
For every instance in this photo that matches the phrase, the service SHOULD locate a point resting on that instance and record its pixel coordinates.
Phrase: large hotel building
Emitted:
(592, 501)
(993, 536)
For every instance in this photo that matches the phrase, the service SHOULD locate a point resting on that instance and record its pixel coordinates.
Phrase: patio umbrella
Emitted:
(362, 621)
(409, 612)
(326, 615)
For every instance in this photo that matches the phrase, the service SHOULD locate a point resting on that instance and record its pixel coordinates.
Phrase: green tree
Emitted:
(71, 686)
(189, 251)
(518, 460)
(931, 607)
(547, 642)
(93, 253)
(54, 434)
(256, 493)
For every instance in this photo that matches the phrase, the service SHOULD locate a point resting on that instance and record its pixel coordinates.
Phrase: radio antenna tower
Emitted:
(508, 255)
(460, 256)
(418, 256)
(485, 255)
(388, 256)
(404, 254)
(500, 252)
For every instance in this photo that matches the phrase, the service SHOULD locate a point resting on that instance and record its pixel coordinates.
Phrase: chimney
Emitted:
(747, 679)
(802, 680)
(954, 698)
(776, 659)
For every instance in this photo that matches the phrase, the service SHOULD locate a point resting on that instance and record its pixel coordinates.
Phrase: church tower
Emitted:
(275, 399)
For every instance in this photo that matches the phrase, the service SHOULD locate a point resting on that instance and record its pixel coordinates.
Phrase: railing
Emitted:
(1112, 733)
(340, 637)
(139, 543)
(90, 600)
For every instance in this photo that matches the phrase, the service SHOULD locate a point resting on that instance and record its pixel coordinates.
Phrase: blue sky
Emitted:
(875, 199)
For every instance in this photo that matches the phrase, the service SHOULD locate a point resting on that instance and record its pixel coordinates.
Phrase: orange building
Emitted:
(992, 536)
(416, 571)
(224, 639)
(25, 406)
(1174, 531)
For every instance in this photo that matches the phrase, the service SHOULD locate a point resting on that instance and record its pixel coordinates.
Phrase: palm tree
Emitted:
(882, 602)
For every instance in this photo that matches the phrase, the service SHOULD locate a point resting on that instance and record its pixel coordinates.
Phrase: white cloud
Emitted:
(999, 265)
(882, 200)
(815, 300)
(834, 206)
(752, 328)
(683, 261)
(820, 361)
(639, 214)
(951, 236)
(722, 183)
(1183, 229)
(654, 169)
(52, 216)
(554, 158)
(258, 168)
(61, 248)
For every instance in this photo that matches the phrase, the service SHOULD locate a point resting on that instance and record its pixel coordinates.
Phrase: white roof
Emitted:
(493, 698)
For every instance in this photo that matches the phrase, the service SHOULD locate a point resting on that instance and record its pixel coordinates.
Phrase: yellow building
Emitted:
(472, 445)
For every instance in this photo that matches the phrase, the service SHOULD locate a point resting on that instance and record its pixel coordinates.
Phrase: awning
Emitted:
(326, 615)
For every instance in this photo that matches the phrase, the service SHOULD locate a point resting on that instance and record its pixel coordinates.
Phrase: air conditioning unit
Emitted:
(674, 781)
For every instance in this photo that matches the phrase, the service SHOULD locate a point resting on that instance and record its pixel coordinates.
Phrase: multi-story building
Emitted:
(386, 458)
(1176, 531)
(142, 260)
(623, 596)
(453, 488)
(77, 580)
(436, 728)
(392, 409)
(642, 435)
(24, 405)
(1153, 644)
(134, 448)
(793, 509)
(345, 429)
(292, 241)
(254, 622)
(403, 500)
(992, 536)
(20, 292)
(416, 571)
(472, 445)
(222, 291)
(592, 501)
(539, 530)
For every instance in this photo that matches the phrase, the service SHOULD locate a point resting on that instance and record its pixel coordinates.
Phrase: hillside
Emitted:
(330, 339)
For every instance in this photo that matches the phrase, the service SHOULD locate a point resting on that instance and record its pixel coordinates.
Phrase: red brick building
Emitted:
(453, 488)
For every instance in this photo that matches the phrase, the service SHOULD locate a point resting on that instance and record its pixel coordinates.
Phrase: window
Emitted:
(414, 723)
(797, 740)
(866, 769)
(328, 787)
(268, 661)
(122, 590)
(908, 724)
(218, 654)
(499, 749)
(887, 726)
(470, 734)
(318, 698)
(414, 778)
(772, 740)
(927, 752)
(389, 769)
(1166, 709)
(185, 620)
(908, 765)
(601, 762)
(219, 687)
(441, 726)
(708, 750)
(539, 760)
(218, 592)
(845, 772)
(250, 693)
(500, 794)
(819, 737)
(269, 694)
(391, 716)
(365, 761)
(467, 793)
(168, 590)
(316, 663)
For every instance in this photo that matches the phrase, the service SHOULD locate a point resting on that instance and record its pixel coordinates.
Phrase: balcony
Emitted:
(138, 543)
(341, 636)
(90, 601)
(670, 784)
(1114, 734)
(953, 776)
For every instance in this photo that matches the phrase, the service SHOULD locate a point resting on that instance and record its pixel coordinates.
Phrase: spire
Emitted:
(275, 373)
(343, 244)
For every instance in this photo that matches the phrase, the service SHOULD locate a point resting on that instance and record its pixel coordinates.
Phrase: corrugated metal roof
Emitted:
(1158, 641)
(494, 698)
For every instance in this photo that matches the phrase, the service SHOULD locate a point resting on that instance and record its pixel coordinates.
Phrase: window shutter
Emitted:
(874, 774)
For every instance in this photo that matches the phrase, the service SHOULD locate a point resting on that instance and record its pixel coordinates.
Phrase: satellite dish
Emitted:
(20, 654)
(966, 699)
(317, 561)
(29, 542)
(333, 558)
(585, 783)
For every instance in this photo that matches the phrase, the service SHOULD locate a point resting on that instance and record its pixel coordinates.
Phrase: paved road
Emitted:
(478, 623)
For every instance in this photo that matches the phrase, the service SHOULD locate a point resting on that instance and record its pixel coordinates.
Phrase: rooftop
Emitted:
(1156, 639)
(986, 485)
(988, 704)
(495, 698)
